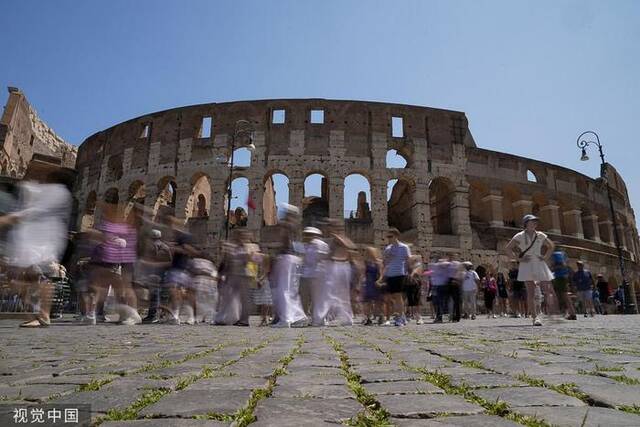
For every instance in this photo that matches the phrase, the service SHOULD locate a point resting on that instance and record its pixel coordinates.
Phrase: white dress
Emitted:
(284, 291)
(331, 293)
(532, 268)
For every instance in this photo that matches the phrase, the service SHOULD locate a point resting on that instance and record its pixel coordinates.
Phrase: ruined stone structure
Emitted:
(451, 198)
(24, 135)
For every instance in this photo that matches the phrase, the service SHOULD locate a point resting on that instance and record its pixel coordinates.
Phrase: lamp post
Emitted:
(629, 308)
(242, 128)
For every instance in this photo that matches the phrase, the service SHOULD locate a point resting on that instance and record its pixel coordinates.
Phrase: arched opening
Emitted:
(241, 157)
(539, 201)
(88, 216)
(199, 202)
(315, 205)
(441, 200)
(136, 196)
(604, 227)
(395, 160)
(400, 204)
(479, 210)
(357, 197)
(276, 193)
(531, 176)
(239, 214)
(510, 194)
(588, 225)
(166, 199)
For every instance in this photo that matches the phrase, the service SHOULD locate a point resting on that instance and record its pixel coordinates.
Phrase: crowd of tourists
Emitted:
(131, 265)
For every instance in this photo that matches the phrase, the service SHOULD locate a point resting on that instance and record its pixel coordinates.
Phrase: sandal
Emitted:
(38, 322)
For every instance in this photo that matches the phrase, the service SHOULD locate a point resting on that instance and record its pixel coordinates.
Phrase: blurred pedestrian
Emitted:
(470, 283)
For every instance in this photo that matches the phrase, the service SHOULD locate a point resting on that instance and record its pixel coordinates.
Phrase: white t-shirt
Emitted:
(314, 252)
(469, 283)
(524, 241)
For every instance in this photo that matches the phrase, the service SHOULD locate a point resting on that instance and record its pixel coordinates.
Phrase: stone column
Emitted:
(379, 211)
(217, 219)
(296, 191)
(623, 237)
(183, 191)
(256, 191)
(550, 216)
(336, 197)
(573, 222)
(493, 203)
(521, 208)
(461, 223)
(422, 215)
(607, 234)
(592, 224)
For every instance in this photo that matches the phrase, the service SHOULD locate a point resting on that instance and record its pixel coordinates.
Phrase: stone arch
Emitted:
(510, 194)
(239, 214)
(167, 191)
(276, 192)
(357, 197)
(199, 202)
(135, 195)
(479, 211)
(588, 226)
(539, 200)
(396, 160)
(441, 192)
(315, 204)
(88, 215)
(400, 204)
(604, 224)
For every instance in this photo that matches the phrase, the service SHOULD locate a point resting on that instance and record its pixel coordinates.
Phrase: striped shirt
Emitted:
(112, 253)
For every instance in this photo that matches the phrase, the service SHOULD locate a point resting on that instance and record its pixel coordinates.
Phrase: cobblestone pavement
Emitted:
(498, 372)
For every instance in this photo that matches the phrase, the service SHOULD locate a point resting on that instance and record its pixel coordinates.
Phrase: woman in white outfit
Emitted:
(533, 248)
(331, 291)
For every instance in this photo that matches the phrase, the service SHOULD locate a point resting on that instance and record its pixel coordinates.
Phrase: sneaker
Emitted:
(88, 320)
(437, 320)
(191, 321)
(572, 317)
(585, 315)
(281, 325)
(419, 321)
(537, 321)
(519, 316)
(387, 323)
(380, 320)
(473, 317)
(398, 322)
(495, 317)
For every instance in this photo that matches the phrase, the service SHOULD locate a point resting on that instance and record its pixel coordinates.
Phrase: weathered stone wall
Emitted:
(460, 200)
(23, 134)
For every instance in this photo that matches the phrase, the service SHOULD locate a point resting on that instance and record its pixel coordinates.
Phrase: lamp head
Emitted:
(584, 156)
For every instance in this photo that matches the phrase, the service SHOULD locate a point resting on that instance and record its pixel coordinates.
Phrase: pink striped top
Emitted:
(110, 251)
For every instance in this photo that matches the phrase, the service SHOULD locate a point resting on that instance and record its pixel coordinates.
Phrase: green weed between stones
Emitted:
(374, 414)
(94, 385)
(245, 415)
(152, 396)
(499, 408)
(568, 389)
(131, 411)
(635, 409)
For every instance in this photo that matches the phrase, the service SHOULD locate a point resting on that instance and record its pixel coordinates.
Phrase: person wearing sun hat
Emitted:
(533, 248)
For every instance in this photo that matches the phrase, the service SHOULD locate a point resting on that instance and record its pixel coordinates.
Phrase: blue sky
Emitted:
(530, 75)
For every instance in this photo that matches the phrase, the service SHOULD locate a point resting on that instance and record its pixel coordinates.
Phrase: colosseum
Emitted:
(422, 172)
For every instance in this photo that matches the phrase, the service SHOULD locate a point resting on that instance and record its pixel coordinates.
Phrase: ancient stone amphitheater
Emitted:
(451, 197)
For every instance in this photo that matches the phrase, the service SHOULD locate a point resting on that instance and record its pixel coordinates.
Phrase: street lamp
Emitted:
(629, 308)
(242, 128)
